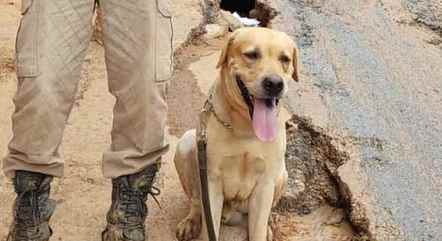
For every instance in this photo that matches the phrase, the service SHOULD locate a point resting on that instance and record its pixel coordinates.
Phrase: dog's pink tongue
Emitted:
(264, 119)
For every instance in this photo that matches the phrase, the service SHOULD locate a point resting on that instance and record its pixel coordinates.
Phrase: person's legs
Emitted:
(137, 78)
(51, 43)
(137, 40)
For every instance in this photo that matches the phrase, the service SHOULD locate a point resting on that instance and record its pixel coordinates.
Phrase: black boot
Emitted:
(125, 218)
(32, 207)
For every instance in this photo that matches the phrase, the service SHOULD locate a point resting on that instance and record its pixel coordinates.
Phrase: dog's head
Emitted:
(259, 63)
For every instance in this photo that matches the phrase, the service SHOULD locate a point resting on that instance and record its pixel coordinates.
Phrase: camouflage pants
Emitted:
(51, 44)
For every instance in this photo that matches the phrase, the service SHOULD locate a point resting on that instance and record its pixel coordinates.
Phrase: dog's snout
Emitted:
(273, 85)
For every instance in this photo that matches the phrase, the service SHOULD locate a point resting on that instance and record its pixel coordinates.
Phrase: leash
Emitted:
(202, 161)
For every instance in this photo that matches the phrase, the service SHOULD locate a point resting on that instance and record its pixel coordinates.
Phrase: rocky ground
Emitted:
(373, 71)
(364, 152)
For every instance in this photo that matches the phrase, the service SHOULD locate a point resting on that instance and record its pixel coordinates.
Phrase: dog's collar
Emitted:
(210, 108)
(245, 95)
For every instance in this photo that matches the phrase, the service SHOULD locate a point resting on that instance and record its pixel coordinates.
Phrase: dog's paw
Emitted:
(189, 228)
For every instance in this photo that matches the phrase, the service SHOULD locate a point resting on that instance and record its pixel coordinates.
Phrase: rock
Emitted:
(215, 31)
(427, 12)
(232, 22)
(187, 16)
(211, 10)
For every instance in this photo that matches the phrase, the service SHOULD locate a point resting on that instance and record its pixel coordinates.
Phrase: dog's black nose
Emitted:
(273, 85)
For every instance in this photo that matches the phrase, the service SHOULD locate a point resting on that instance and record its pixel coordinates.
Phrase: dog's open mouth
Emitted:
(263, 113)
(264, 118)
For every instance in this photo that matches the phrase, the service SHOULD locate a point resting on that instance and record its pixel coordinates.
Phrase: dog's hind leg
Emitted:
(280, 187)
(186, 165)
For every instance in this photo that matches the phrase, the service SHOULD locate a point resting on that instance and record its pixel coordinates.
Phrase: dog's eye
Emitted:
(284, 59)
(252, 55)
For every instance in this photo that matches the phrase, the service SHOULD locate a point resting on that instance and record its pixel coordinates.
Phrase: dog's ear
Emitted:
(296, 64)
(224, 53)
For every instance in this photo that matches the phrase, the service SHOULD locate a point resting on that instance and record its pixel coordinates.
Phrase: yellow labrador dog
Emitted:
(246, 137)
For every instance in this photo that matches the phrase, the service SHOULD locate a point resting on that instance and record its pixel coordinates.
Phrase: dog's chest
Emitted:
(240, 174)
(240, 163)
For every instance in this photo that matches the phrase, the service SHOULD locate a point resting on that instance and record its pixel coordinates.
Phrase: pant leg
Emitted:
(137, 40)
(51, 44)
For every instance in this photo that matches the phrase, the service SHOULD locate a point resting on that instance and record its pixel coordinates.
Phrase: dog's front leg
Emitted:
(260, 205)
(216, 205)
